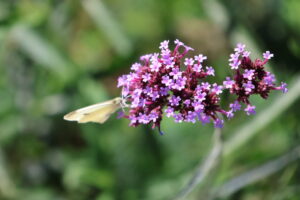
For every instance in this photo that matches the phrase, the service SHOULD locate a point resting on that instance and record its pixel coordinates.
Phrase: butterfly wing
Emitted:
(95, 113)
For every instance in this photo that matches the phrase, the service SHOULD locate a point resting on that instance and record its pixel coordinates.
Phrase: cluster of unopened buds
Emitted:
(171, 84)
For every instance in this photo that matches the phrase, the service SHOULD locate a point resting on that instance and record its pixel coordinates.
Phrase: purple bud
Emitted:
(143, 119)
(205, 85)
(174, 101)
(218, 123)
(179, 84)
(217, 88)
(178, 117)
(229, 114)
(164, 44)
(200, 96)
(135, 103)
(121, 114)
(248, 86)
(235, 64)
(198, 106)
(179, 43)
(170, 64)
(153, 116)
(200, 58)
(240, 48)
(191, 117)
(197, 67)
(284, 87)
(146, 77)
(155, 66)
(188, 61)
(210, 71)
(164, 91)
(204, 118)
(246, 53)
(250, 110)
(136, 66)
(175, 73)
(146, 57)
(187, 102)
(235, 106)
(234, 57)
(188, 48)
(133, 119)
(166, 80)
(269, 78)
(169, 111)
(228, 83)
(122, 80)
(248, 74)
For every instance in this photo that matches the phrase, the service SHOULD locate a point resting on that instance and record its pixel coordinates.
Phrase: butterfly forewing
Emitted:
(95, 113)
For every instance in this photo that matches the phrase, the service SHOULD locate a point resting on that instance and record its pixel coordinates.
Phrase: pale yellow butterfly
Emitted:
(98, 113)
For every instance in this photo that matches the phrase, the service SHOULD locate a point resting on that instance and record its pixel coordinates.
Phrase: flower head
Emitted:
(250, 78)
(160, 84)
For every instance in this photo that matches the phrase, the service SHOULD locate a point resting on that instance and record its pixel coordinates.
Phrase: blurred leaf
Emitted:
(40, 194)
(74, 173)
(42, 52)
(92, 91)
(290, 12)
(7, 186)
(33, 12)
(104, 21)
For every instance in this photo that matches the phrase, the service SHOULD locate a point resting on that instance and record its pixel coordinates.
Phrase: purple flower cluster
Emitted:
(250, 77)
(169, 83)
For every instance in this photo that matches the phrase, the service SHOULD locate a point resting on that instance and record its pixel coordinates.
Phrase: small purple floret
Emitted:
(210, 71)
(248, 74)
(235, 106)
(229, 114)
(284, 87)
(228, 83)
(219, 123)
(250, 110)
(267, 55)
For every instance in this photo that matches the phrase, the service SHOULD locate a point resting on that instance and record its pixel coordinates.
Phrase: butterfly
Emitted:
(98, 113)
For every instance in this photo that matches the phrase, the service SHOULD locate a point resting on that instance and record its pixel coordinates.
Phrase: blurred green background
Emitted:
(59, 55)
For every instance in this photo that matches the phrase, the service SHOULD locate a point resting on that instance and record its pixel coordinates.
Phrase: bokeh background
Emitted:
(59, 55)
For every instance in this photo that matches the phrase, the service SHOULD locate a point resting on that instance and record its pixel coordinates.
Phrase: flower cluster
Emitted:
(169, 83)
(249, 78)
